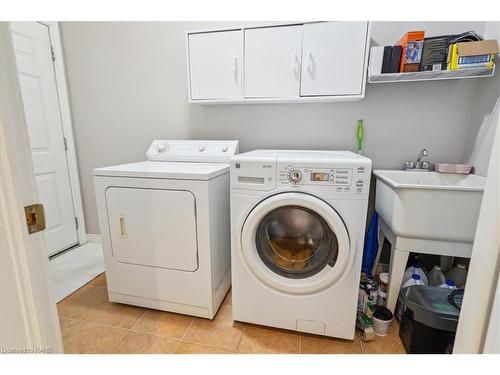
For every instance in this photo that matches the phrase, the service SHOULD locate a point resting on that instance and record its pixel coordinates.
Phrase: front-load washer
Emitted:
(298, 222)
(165, 227)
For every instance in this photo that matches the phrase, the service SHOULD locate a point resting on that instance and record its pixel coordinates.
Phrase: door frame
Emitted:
(30, 295)
(67, 126)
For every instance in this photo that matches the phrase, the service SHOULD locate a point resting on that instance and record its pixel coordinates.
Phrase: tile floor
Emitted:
(92, 324)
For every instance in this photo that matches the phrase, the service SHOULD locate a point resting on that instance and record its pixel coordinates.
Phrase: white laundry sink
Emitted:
(429, 205)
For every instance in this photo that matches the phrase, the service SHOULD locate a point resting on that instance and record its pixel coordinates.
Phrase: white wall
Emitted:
(127, 85)
(481, 129)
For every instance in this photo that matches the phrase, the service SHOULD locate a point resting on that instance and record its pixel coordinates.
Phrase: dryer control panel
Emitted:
(202, 151)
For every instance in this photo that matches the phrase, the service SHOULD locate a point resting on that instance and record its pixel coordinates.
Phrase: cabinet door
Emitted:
(272, 62)
(215, 62)
(333, 55)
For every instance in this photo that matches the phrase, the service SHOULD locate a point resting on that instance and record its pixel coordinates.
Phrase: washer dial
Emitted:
(294, 176)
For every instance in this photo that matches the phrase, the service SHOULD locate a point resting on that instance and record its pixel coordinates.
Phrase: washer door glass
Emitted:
(295, 242)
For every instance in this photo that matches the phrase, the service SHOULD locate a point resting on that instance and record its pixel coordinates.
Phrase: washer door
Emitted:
(295, 243)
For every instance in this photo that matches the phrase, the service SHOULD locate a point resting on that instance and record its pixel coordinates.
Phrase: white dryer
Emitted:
(165, 227)
(298, 222)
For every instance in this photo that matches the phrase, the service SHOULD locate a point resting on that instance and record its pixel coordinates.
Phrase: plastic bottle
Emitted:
(436, 277)
(414, 280)
(458, 274)
(449, 284)
(415, 268)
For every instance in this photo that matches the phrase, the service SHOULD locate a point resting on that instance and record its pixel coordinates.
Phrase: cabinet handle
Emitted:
(235, 69)
(296, 65)
(309, 62)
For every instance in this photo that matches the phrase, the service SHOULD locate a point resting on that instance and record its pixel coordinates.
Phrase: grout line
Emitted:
(360, 342)
(184, 335)
(209, 345)
(138, 320)
(241, 337)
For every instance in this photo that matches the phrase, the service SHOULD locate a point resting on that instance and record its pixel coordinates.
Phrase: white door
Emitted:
(333, 55)
(39, 94)
(272, 62)
(153, 227)
(215, 65)
(28, 314)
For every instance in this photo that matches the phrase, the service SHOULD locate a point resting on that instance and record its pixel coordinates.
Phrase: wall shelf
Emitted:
(431, 76)
(375, 76)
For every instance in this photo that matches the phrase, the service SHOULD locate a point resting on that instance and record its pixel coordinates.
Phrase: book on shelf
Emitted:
(411, 44)
(435, 53)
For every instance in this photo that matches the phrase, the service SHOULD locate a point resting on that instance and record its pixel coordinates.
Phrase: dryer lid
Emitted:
(156, 169)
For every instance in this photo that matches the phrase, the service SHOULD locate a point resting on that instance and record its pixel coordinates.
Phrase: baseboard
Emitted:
(95, 238)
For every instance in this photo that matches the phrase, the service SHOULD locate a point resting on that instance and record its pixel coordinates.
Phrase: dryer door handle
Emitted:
(123, 228)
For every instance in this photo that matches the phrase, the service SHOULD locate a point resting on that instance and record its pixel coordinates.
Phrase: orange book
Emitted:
(410, 36)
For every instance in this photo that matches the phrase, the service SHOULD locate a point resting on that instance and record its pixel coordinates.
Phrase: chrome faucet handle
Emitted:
(425, 165)
(409, 165)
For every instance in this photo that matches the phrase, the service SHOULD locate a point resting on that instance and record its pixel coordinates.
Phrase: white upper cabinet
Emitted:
(333, 58)
(309, 62)
(215, 65)
(273, 62)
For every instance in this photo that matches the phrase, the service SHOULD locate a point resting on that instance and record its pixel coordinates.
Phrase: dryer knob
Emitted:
(224, 149)
(202, 148)
(162, 148)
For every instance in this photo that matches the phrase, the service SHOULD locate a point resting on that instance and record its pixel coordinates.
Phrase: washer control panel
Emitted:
(343, 179)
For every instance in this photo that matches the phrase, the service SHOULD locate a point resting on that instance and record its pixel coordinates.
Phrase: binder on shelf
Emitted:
(395, 62)
(386, 60)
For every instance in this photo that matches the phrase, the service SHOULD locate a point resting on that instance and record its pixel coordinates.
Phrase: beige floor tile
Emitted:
(90, 337)
(99, 280)
(163, 323)
(117, 315)
(84, 302)
(263, 340)
(390, 344)
(221, 332)
(310, 344)
(192, 348)
(228, 301)
(143, 343)
(68, 324)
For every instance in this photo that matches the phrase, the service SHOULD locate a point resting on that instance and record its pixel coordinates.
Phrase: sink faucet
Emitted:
(419, 165)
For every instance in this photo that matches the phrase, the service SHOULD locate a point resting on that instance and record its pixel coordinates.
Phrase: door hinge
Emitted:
(65, 144)
(52, 52)
(76, 222)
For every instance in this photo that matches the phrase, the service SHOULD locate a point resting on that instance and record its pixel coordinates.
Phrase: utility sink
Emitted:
(429, 205)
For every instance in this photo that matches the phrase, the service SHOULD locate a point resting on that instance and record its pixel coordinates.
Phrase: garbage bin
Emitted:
(428, 318)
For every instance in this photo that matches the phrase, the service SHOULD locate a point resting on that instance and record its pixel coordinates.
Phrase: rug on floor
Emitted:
(75, 268)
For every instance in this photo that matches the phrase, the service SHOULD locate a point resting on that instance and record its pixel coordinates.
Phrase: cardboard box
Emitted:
(472, 54)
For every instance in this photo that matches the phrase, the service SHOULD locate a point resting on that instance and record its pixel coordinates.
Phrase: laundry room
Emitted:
(250, 187)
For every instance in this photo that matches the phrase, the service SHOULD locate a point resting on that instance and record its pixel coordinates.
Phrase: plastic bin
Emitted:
(428, 321)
